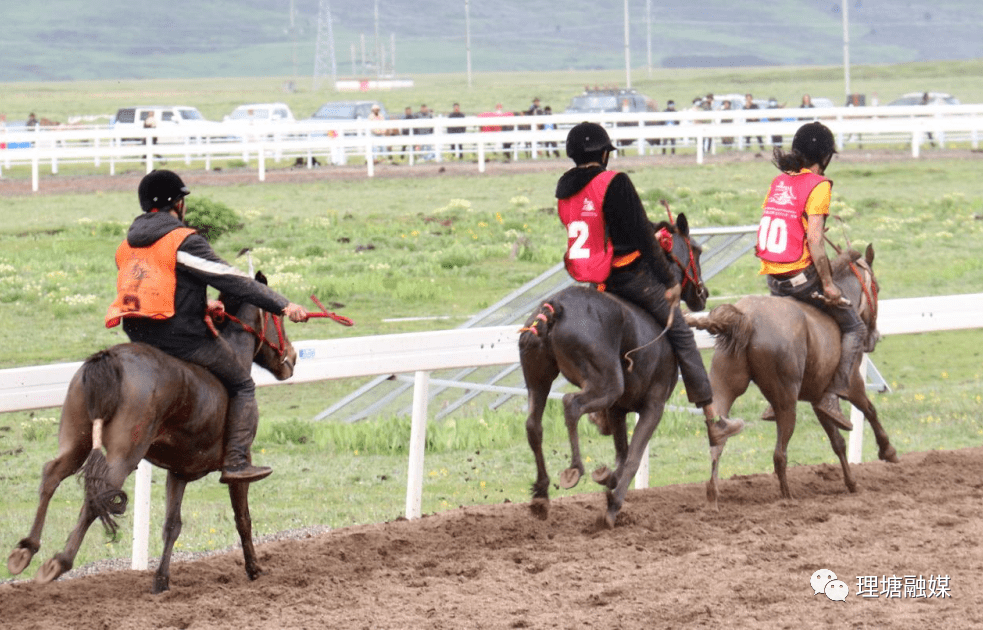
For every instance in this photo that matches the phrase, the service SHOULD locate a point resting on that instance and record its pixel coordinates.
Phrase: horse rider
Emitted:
(793, 252)
(165, 268)
(611, 243)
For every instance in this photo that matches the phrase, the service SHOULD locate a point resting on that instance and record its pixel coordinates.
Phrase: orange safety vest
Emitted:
(146, 281)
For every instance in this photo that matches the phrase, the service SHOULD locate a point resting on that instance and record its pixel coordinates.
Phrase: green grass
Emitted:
(443, 247)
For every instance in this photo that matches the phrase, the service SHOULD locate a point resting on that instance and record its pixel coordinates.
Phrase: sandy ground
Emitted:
(669, 563)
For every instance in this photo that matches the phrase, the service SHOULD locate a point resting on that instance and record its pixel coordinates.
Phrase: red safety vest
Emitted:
(589, 250)
(146, 281)
(781, 232)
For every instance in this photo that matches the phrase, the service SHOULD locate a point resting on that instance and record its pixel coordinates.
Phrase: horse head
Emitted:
(854, 274)
(684, 255)
(267, 341)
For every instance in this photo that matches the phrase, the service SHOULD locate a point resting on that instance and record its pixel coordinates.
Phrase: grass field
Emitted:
(449, 246)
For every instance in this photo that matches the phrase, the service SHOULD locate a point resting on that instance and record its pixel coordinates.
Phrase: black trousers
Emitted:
(637, 284)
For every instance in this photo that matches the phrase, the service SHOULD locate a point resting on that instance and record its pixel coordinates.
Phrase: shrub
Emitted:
(211, 218)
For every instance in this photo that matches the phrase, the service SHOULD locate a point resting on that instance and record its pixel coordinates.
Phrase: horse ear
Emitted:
(869, 254)
(261, 278)
(682, 224)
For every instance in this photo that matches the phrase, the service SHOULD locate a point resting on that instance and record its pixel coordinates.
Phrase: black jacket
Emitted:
(198, 267)
(627, 224)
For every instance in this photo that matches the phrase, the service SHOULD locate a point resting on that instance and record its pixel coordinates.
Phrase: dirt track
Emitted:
(669, 563)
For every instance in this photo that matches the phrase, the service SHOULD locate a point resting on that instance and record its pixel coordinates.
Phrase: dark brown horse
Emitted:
(790, 350)
(613, 352)
(139, 403)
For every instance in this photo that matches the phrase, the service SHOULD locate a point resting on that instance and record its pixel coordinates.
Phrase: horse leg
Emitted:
(616, 422)
(859, 399)
(72, 453)
(648, 420)
(103, 499)
(839, 447)
(538, 384)
(600, 392)
(239, 494)
(729, 379)
(172, 529)
(785, 423)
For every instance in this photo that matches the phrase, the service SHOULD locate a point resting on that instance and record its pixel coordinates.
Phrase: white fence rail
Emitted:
(339, 141)
(419, 353)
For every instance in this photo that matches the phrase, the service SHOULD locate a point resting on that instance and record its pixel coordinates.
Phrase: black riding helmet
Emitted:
(586, 142)
(161, 189)
(814, 141)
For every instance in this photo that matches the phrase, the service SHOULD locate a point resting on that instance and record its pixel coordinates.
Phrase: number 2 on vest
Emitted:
(578, 232)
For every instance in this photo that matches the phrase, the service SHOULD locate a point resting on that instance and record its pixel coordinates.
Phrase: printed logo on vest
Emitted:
(783, 195)
(588, 206)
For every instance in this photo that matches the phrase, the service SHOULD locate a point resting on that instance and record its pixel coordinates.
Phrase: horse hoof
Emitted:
(569, 478)
(608, 520)
(18, 560)
(49, 571)
(601, 475)
(161, 585)
(890, 455)
(540, 508)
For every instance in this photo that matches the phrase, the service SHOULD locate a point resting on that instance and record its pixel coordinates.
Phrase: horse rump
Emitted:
(540, 323)
(101, 379)
(101, 388)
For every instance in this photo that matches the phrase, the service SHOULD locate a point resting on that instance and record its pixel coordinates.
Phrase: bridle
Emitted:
(267, 319)
(691, 272)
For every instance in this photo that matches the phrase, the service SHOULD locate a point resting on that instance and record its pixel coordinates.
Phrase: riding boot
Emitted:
(768, 414)
(241, 424)
(852, 347)
(723, 428)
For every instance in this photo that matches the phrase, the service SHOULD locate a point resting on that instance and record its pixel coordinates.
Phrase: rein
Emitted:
(213, 315)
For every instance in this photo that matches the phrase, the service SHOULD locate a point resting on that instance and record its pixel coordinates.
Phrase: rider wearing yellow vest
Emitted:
(165, 269)
(793, 252)
(611, 242)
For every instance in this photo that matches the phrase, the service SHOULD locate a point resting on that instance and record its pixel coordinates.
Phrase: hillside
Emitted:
(106, 39)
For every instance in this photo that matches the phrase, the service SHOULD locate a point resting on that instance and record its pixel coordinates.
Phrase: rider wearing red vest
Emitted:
(165, 268)
(793, 253)
(611, 243)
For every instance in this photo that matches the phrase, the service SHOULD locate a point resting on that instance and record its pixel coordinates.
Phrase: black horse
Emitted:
(139, 403)
(613, 351)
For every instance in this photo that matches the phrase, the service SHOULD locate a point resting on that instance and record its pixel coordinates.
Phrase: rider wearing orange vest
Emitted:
(793, 254)
(611, 243)
(165, 269)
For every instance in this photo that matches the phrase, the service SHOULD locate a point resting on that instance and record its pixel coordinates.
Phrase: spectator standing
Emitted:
(707, 105)
(926, 100)
(150, 122)
(550, 144)
(670, 107)
(727, 140)
(426, 149)
(32, 121)
(534, 109)
(456, 149)
(377, 149)
(750, 104)
(408, 115)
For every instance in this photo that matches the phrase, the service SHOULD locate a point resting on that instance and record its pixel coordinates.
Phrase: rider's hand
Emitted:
(673, 294)
(296, 312)
(832, 293)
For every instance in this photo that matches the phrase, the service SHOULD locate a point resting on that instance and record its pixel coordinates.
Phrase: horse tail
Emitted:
(729, 325)
(541, 322)
(102, 387)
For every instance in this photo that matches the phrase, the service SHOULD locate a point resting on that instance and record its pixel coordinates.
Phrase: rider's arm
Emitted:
(195, 256)
(628, 224)
(817, 209)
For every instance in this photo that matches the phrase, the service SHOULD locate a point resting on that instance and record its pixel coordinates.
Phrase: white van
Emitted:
(164, 116)
(261, 113)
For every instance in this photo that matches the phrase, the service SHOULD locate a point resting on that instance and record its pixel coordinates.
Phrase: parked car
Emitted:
(347, 110)
(934, 98)
(260, 113)
(596, 101)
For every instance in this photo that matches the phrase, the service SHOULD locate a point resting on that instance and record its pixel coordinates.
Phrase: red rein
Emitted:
(213, 315)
